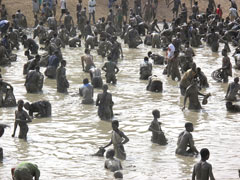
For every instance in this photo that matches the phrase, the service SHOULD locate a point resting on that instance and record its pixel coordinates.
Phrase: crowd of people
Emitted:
(135, 26)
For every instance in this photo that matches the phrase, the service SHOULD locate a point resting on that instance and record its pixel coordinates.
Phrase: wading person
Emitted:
(118, 140)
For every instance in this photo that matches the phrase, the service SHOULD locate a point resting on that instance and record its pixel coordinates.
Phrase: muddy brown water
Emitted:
(61, 145)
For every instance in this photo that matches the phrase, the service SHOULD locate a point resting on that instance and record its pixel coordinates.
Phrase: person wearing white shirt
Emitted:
(63, 6)
(91, 10)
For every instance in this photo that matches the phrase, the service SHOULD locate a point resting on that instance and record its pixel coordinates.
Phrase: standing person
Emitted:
(87, 61)
(105, 104)
(91, 10)
(63, 5)
(157, 133)
(34, 81)
(35, 4)
(173, 67)
(25, 171)
(233, 4)
(176, 4)
(219, 11)
(21, 119)
(3, 12)
(54, 9)
(86, 91)
(185, 143)
(118, 139)
(68, 22)
(203, 170)
(233, 14)
(111, 70)
(226, 66)
(62, 82)
(232, 90)
(124, 6)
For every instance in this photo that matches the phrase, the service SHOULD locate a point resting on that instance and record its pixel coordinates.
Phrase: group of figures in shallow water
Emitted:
(178, 40)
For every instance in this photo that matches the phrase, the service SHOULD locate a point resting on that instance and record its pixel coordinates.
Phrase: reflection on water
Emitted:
(62, 145)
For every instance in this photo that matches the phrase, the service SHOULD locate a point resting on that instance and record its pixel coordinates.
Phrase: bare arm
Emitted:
(108, 144)
(15, 125)
(211, 173)
(193, 173)
(125, 138)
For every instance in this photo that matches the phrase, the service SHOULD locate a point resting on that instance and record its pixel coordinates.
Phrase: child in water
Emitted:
(203, 169)
(157, 133)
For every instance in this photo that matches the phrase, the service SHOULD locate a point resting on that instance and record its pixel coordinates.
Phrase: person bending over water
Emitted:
(185, 140)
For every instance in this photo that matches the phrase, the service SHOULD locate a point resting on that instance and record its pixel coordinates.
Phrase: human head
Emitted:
(26, 53)
(219, 5)
(110, 153)
(37, 68)
(229, 105)
(187, 44)
(236, 79)
(224, 52)
(63, 63)
(149, 53)
(20, 104)
(115, 124)
(27, 105)
(204, 154)
(156, 113)
(109, 58)
(105, 88)
(85, 81)
(145, 58)
(194, 66)
(189, 126)
(118, 175)
(37, 57)
(87, 51)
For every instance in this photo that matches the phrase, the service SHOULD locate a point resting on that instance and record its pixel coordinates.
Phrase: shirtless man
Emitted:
(87, 61)
(62, 82)
(232, 90)
(105, 104)
(185, 140)
(187, 78)
(111, 70)
(34, 81)
(21, 119)
(42, 108)
(226, 66)
(86, 91)
(173, 67)
(157, 133)
(96, 79)
(203, 170)
(192, 93)
(68, 21)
